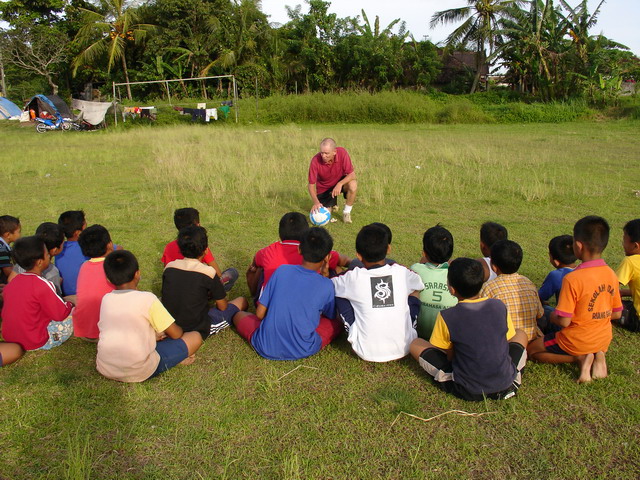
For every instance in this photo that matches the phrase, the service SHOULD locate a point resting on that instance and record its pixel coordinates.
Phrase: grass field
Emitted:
(234, 415)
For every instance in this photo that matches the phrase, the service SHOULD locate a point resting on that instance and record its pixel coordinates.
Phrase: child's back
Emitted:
(295, 298)
(517, 292)
(437, 248)
(129, 320)
(563, 259)
(71, 258)
(628, 274)
(95, 242)
(30, 301)
(383, 329)
(377, 313)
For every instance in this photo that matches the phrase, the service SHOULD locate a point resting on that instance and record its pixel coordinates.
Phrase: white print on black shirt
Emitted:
(382, 292)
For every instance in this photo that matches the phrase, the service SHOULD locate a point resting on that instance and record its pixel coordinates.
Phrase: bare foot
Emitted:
(599, 369)
(585, 362)
(189, 360)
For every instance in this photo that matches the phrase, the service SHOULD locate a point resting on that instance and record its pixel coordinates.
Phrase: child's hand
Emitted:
(324, 269)
(160, 336)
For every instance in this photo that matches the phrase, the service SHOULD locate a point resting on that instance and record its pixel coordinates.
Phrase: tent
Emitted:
(8, 110)
(48, 103)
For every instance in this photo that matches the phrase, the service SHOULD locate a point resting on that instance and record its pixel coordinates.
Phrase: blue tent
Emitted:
(49, 103)
(8, 109)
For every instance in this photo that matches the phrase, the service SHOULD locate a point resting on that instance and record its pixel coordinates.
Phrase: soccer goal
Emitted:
(167, 87)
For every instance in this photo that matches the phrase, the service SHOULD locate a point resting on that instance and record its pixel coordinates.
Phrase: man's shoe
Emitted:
(346, 217)
(335, 208)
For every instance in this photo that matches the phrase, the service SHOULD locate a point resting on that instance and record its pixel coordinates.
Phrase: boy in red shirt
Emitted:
(33, 315)
(96, 244)
(589, 299)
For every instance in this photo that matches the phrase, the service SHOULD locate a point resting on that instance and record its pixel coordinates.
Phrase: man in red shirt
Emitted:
(331, 173)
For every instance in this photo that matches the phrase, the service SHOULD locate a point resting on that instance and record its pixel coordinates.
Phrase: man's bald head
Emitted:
(328, 150)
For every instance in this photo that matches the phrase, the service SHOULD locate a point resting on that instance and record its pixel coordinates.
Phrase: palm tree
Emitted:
(107, 32)
(479, 27)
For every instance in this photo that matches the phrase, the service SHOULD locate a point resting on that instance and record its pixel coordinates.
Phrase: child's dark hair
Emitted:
(507, 256)
(466, 276)
(372, 243)
(592, 232)
(8, 224)
(183, 217)
(71, 221)
(491, 232)
(192, 241)
(51, 233)
(27, 251)
(315, 245)
(386, 229)
(292, 226)
(437, 243)
(120, 267)
(632, 229)
(561, 249)
(94, 240)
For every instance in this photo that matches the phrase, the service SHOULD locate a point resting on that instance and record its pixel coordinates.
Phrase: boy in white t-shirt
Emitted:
(378, 304)
(139, 338)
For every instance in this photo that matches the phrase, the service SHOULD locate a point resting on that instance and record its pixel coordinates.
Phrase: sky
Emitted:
(618, 19)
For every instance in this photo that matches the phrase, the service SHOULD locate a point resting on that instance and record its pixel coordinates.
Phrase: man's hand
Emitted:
(316, 206)
(337, 190)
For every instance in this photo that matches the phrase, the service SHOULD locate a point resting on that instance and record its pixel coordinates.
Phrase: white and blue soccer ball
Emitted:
(321, 217)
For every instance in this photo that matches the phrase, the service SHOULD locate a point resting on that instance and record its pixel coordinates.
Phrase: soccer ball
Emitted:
(321, 217)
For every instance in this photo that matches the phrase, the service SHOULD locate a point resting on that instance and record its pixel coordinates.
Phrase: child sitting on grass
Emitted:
(295, 316)
(374, 301)
(437, 248)
(183, 217)
(10, 231)
(95, 243)
(33, 315)
(474, 352)
(53, 237)
(292, 227)
(589, 300)
(134, 327)
(188, 285)
(71, 258)
(517, 292)
(490, 233)
(563, 260)
(628, 274)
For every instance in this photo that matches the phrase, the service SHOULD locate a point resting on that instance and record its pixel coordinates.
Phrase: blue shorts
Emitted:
(551, 344)
(172, 351)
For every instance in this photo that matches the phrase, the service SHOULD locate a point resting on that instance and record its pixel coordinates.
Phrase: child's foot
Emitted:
(599, 369)
(189, 360)
(585, 362)
(216, 327)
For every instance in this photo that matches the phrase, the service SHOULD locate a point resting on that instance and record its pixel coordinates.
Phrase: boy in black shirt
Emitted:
(188, 285)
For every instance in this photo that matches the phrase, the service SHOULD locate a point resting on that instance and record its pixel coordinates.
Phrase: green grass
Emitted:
(231, 414)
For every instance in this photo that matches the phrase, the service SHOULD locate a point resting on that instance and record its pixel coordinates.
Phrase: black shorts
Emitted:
(629, 319)
(327, 200)
(436, 363)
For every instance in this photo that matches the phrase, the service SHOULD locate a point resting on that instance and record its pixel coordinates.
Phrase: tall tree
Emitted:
(479, 28)
(107, 32)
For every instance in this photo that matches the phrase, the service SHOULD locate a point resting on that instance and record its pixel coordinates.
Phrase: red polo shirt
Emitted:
(326, 176)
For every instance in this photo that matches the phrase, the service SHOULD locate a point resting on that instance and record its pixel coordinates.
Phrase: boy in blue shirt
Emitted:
(563, 259)
(295, 317)
(71, 258)
(474, 352)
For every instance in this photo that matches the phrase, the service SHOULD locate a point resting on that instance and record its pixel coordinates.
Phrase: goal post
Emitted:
(166, 83)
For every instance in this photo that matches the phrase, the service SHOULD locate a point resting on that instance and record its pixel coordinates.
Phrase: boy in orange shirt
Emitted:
(589, 300)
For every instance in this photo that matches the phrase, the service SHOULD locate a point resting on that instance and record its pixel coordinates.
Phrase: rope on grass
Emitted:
(462, 413)
(291, 371)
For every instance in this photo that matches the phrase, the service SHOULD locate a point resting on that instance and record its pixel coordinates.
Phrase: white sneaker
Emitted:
(334, 208)
(346, 217)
